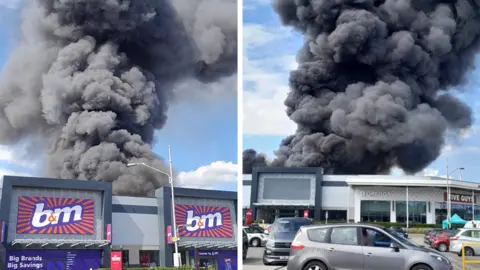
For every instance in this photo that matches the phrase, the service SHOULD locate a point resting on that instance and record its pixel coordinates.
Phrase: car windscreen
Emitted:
(289, 225)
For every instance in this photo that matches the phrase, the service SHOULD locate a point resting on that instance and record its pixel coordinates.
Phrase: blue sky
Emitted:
(202, 133)
(269, 55)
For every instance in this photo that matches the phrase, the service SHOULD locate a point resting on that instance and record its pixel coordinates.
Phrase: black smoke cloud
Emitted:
(372, 87)
(91, 80)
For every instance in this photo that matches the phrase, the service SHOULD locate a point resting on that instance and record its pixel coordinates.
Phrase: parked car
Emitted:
(283, 230)
(358, 247)
(441, 240)
(400, 231)
(245, 244)
(427, 236)
(256, 236)
(465, 236)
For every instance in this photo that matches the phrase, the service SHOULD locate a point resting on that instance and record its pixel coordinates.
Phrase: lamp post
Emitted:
(176, 263)
(449, 201)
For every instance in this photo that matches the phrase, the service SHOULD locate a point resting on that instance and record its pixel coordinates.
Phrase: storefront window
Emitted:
(374, 211)
(125, 258)
(417, 212)
(462, 210)
(149, 258)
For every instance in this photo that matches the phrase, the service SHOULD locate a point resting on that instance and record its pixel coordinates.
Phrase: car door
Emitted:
(377, 252)
(344, 251)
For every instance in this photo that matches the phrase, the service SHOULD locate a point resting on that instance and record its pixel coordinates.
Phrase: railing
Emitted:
(464, 261)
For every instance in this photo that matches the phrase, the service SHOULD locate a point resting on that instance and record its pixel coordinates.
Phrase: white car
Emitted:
(465, 236)
(256, 236)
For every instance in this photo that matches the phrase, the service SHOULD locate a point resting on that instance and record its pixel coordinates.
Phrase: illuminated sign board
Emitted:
(47, 215)
(203, 221)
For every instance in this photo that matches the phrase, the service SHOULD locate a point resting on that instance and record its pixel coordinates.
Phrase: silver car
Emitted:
(465, 236)
(359, 247)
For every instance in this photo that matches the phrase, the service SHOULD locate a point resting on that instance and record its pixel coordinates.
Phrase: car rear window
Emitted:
(317, 235)
(289, 225)
(450, 233)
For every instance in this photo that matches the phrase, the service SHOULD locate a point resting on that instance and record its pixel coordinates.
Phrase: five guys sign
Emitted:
(459, 198)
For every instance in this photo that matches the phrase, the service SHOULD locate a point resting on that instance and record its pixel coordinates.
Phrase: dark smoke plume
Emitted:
(91, 80)
(371, 89)
(252, 159)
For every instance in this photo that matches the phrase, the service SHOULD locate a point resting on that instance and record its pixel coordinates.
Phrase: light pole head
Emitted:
(461, 168)
(131, 164)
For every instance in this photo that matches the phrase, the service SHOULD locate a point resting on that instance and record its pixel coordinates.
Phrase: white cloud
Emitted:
(263, 108)
(257, 35)
(8, 155)
(13, 4)
(266, 84)
(13, 172)
(217, 173)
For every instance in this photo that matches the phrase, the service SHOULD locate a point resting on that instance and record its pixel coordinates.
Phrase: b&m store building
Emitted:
(56, 224)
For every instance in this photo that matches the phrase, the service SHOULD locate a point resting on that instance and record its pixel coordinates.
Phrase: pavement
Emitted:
(254, 258)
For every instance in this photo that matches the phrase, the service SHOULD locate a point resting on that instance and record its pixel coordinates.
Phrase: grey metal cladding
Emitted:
(135, 209)
(283, 188)
(211, 202)
(14, 186)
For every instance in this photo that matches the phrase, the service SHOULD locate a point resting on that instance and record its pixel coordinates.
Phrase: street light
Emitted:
(170, 181)
(449, 201)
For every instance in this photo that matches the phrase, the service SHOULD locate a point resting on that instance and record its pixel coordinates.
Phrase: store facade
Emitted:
(55, 224)
(206, 222)
(283, 192)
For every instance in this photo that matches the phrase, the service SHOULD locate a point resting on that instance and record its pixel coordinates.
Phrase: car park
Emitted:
(466, 236)
(283, 230)
(358, 247)
(400, 231)
(441, 240)
(245, 244)
(428, 235)
(256, 236)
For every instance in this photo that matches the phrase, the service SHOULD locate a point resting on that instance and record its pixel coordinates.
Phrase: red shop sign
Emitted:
(116, 260)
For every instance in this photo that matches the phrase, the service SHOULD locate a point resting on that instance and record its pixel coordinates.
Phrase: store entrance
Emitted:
(268, 215)
(208, 262)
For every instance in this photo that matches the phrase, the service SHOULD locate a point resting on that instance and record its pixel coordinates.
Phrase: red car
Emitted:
(441, 240)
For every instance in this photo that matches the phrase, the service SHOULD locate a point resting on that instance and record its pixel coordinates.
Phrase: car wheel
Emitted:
(255, 242)
(315, 265)
(442, 247)
(469, 252)
(421, 267)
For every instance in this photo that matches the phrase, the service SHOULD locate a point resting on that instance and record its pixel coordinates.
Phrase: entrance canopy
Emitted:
(64, 243)
(190, 244)
(289, 204)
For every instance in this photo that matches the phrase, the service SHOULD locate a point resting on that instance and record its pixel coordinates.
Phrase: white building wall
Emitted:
(379, 193)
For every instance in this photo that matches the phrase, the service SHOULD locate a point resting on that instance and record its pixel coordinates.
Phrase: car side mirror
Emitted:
(267, 232)
(395, 247)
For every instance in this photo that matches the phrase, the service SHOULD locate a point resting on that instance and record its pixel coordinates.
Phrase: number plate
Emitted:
(283, 257)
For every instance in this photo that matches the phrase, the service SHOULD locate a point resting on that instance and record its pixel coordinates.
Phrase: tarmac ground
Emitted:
(254, 258)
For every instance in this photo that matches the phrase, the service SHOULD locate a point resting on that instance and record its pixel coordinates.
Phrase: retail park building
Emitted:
(71, 224)
(287, 192)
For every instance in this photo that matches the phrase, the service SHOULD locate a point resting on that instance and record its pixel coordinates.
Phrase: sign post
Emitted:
(326, 217)
(116, 260)
(248, 217)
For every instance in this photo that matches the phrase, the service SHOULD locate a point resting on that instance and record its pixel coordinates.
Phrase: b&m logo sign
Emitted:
(45, 215)
(203, 221)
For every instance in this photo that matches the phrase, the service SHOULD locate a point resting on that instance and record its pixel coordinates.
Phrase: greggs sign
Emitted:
(203, 221)
(47, 215)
